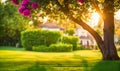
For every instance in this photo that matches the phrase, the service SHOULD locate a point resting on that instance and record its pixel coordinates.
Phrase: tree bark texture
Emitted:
(110, 52)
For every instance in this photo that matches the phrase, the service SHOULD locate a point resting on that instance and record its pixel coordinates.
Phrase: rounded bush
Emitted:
(70, 32)
(79, 47)
(71, 40)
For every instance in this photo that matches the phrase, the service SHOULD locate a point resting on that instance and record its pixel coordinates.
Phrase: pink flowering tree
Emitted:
(25, 6)
(74, 9)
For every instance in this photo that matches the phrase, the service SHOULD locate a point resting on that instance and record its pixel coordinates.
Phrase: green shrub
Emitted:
(53, 48)
(71, 40)
(41, 48)
(31, 38)
(70, 32)
(79, 47)
(51, 37)
(61, 47)
(28, 37)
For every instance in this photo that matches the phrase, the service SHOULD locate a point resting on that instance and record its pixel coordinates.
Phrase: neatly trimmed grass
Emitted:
(17, 59)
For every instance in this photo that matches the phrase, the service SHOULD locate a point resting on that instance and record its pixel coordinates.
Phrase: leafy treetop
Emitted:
(27, 6)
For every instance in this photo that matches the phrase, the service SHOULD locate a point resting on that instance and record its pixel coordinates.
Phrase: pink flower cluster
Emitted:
(15, 2)
(24, 7)
(81, 1)
(35, 5)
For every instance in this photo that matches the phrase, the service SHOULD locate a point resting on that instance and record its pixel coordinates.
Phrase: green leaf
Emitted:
(54, 2)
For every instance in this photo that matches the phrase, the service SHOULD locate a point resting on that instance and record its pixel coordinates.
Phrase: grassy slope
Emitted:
(83, 60)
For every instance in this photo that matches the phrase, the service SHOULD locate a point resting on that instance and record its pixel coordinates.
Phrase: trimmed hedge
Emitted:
(79, 47)
(60, 47)
(70, 31)
(41, 48)
(32, 38)
(54, 48)
(71, 40)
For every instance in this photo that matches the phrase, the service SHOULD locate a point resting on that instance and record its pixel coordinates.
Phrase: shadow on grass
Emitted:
(36, 67)
(98, 65)
(83, 65)
(102, 66)
(86, 65)
(106, 66)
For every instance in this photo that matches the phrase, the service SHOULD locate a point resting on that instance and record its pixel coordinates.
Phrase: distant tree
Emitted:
(11, 23)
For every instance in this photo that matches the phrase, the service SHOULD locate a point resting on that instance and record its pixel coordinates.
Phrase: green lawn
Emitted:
(17, 59)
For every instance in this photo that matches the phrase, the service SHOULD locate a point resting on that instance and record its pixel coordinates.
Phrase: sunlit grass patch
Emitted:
(82, 60)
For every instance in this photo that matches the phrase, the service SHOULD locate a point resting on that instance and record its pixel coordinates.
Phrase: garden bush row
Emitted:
(54, 48)
(61, 47)
(31, 38)
(44, 40)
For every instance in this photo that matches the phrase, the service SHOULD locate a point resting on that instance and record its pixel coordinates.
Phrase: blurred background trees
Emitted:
(11, 24)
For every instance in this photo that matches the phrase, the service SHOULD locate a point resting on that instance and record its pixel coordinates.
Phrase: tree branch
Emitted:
(97, 37)
(97, 8)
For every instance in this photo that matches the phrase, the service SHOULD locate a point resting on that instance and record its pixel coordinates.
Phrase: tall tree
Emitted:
(109, 45)
(11, 24)
(74, 9)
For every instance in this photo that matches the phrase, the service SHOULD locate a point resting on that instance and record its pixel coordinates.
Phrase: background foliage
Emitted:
(11, 24)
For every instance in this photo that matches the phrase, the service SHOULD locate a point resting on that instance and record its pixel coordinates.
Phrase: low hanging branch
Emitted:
(97, 37)
(95, 5)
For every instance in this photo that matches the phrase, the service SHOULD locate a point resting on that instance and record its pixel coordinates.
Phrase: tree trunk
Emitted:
(110, 53)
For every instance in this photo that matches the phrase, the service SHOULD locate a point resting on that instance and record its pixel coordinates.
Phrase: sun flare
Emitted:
(2, 1)
(95, 18)
(117, 15)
